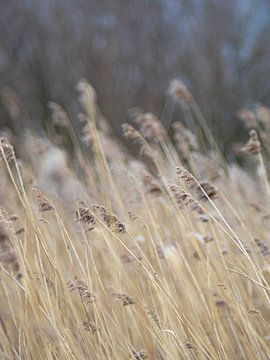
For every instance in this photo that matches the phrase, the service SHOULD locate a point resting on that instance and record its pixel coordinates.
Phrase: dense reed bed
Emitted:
(158, 254)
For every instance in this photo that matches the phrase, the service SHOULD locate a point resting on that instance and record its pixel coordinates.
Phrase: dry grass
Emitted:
(108, 257)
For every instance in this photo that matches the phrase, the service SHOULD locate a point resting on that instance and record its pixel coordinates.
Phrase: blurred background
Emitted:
(129, 51)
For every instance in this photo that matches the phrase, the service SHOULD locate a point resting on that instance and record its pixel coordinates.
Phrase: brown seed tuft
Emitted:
(179, 92)
(253, 145)
(126, 299)
(89, 326)
(110, 220)
(140, 355)
(41, 199)
(263, 247)
(205, 191)
(248, 118)
(134, 135)
(85, 216)
(59, 116)
(6, 150)
(150, 127)
(185, 200)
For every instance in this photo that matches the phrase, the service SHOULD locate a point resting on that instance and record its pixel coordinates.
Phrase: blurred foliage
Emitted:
(129, 51)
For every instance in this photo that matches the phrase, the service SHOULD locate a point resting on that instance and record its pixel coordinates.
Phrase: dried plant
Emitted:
(59, 116)
(126, 299)
(185, 200)
(179, 91)
(87, 97)
(248, 118)
(185, 141)
(110, 220)
(203, 190)
(86, 131)
(87, 295)
(133, 135)
(6, 149)
(150, 127)
(165, 268)
(85, 216)
(41, 199)
(89, 326)
(253, 145)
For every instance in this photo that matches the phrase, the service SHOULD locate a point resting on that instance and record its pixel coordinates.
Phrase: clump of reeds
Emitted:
(76, 224)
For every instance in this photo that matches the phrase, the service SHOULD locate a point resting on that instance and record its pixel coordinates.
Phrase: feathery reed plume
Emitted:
(180, 140)
(99, 210)
(89, 326)
(87, 98)
(253, 145)
(113, 223)
(126, 299)
(41, 199)
(110, 220)
(204, 190)
(85, 216)
(86, 131)
(185, 200)
(179, 92)
(183, 137)
(248, 118)
(186, 177)
(185, 141)
(150, 127)
(87, 295)
(7, 150)
(133, 135)
(59, 116)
